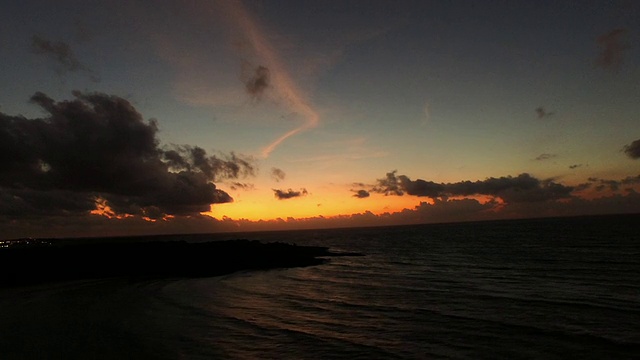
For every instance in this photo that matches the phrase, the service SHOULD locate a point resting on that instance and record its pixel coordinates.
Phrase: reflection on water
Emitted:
(506, 290)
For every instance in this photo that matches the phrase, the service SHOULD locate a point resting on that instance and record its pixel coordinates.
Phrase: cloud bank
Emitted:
(522, 188)
(609, 184)
(96, 153)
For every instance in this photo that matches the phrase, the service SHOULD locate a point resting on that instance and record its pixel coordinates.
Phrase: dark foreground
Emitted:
(527, 289)
(32, 261)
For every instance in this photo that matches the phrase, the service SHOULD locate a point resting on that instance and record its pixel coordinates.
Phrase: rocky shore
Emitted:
(31, 261)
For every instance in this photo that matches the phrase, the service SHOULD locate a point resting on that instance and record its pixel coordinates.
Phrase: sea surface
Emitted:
(524, 289)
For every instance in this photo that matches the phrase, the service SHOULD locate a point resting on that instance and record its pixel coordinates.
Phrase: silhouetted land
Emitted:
(35, 261)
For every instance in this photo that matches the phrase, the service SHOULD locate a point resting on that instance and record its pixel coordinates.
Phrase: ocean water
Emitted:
(526, 289)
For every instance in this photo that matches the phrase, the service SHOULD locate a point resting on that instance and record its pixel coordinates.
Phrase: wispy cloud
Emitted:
(278, 75)
(259, 82)
(241, 186)
(427, 113)
(612, 47)
(545, 156)
(61, 53)
(277, 174)
(541, 112)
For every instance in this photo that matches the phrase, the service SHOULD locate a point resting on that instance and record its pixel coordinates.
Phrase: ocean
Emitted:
(560, 288)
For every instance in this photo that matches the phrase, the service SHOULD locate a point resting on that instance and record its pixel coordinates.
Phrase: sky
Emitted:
(150, 117)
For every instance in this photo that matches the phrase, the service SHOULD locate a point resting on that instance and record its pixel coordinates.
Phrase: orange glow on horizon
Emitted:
(265, 206)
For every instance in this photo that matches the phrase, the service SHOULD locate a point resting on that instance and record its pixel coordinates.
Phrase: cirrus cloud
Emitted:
(612, 47)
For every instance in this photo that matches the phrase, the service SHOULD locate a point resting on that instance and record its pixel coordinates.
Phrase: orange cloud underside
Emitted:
(103, 209)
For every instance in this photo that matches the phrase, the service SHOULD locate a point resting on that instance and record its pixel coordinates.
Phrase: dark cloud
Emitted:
(451, 210)
(28, 204)
(194, 158)
(277, 174)
(421, 187)
(289, 194)
(613, 204)
(633, 150)
(361, 194)
(259, 82)
(613, 185)
(582, 187)
(59, 51)
(241, 186)
(522, 188)
(95, 149)
(388, 185)
(574, 166)
(542, 113)
(612, 46)
(630, 180)
(62, 54)
(543, 157)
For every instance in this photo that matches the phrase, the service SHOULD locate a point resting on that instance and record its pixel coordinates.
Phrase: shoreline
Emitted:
(42, 262)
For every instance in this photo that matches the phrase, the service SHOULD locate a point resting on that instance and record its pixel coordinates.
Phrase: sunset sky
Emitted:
(147, 117)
